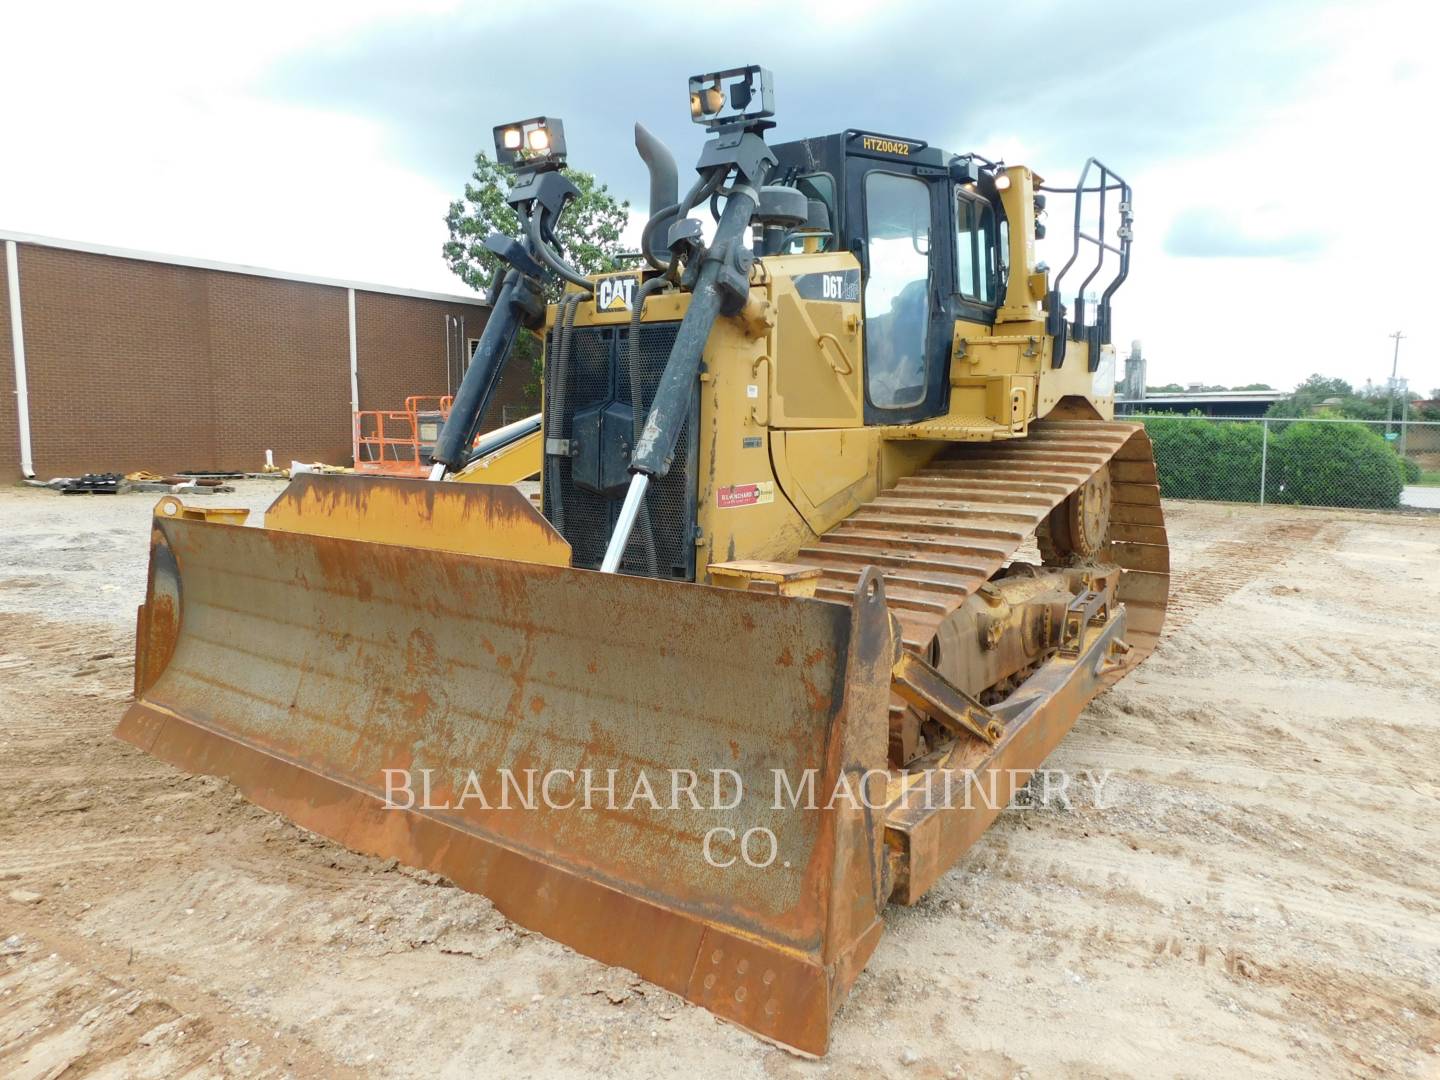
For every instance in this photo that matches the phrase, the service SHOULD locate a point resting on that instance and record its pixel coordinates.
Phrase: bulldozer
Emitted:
(836, 535)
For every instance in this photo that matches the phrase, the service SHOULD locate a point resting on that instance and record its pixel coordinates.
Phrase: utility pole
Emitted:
(1394, 370)
(1404, 416)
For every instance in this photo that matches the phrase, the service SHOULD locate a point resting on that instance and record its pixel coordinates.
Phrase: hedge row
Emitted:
(1306, 463)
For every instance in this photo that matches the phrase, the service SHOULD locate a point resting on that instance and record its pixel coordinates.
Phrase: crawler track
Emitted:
(940, 534)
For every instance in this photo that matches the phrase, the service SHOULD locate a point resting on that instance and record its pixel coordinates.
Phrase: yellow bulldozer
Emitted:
(836, 536)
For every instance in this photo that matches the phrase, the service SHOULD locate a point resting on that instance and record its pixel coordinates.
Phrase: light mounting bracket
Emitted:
(742, 96)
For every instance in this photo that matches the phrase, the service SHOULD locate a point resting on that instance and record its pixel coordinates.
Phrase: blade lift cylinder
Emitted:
(539, 197)
(721, 286)
(481, 379)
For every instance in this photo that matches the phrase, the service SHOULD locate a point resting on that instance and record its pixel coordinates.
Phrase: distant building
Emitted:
(1208, 402)
(130, 360)
(1132, 397)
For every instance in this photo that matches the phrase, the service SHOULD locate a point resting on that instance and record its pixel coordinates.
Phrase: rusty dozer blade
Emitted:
(450, 709)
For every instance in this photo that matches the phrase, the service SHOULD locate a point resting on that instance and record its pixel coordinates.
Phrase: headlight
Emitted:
(531, 143)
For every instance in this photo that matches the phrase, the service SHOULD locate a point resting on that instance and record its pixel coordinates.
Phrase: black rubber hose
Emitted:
(701, 190)
(647, 237)
(556, 380)
(637, 407)
(704, 184)
(549, 258)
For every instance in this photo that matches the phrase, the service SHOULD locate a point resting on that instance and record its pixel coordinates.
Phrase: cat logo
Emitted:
(616, 293)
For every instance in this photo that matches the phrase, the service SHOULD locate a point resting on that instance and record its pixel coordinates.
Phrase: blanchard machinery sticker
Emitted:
(842, 286)
(616, 293)
(745, 494)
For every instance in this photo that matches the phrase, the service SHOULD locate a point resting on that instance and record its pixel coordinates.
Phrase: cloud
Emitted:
(1272, 144)
(1210, 232)
(1136, 83)
(153, 139)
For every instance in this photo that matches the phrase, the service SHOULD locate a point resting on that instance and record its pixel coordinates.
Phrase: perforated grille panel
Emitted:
(598, 373)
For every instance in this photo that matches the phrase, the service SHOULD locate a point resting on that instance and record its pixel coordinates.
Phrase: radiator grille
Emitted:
(598, 373)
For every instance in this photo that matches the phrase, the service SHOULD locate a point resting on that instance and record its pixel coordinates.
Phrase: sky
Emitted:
(1279, 151)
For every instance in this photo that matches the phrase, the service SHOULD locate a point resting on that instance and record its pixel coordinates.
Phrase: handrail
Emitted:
(1108, 181)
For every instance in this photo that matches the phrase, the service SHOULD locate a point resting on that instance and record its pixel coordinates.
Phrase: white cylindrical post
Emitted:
(354, 355)
(625, 523)
(1264, 455)
(17, 344)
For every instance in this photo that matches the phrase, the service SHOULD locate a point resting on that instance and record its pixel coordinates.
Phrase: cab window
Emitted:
(977, 269)
(897, 290)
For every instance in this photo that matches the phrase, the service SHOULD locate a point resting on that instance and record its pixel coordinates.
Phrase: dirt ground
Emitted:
(1256, 892)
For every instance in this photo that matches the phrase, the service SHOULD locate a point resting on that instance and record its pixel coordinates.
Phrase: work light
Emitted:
(531, 144)
(738, 95)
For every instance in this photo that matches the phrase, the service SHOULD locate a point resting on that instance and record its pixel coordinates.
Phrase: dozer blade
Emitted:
(446, 709)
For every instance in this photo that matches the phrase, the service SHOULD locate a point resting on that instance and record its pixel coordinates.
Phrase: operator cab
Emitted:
(929, 232)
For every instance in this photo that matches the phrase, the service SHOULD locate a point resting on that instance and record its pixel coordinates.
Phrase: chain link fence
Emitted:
(1312, 461)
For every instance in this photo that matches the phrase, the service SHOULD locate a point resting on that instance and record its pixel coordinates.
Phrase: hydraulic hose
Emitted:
(705, 185)
(481, 378)
(655, 448)
(647, 532)
(549, 258)
(647, 236)
(556, 380)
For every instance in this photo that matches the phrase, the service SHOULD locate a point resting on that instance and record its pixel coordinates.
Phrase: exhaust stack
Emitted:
(664, 174)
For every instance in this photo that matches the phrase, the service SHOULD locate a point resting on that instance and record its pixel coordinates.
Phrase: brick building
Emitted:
(112, 361)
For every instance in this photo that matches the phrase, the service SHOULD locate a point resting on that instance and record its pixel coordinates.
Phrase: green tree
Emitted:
(588, 236)
(1313, 392)
(1309, 463)
(1254, 386)
(1333, 465)
(1199, 458)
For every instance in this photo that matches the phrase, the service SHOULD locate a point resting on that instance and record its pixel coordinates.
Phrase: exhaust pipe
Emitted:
(664, 176)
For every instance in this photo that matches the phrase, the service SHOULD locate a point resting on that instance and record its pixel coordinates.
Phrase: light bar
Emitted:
(739, 95)
(531, 143)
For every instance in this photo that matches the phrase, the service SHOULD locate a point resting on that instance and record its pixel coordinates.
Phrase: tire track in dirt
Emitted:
(1227, 565)
(1229, 913)
(348, 962)
(75, 1008)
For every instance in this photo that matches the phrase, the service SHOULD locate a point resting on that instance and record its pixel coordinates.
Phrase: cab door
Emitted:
(900, 224)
